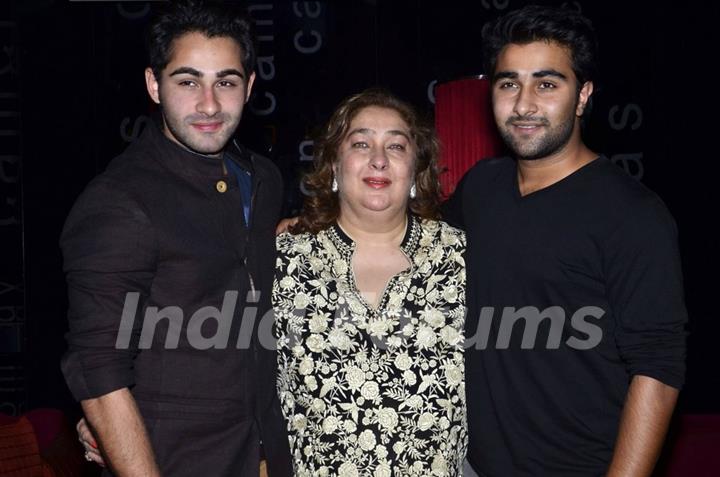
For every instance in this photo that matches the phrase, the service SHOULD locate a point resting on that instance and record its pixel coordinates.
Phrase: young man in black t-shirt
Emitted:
(576, 340)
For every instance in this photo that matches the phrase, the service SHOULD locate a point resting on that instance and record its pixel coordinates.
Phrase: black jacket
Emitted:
(155, 228)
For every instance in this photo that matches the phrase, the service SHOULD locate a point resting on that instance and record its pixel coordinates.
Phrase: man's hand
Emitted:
(116, 422)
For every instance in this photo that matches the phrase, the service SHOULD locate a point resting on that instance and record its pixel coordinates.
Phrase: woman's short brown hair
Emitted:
(321, 207)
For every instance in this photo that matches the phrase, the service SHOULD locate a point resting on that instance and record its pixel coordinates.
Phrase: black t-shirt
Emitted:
(572, 290)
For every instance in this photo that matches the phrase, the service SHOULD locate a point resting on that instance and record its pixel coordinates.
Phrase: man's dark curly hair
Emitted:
(212, 19)
(563, 26)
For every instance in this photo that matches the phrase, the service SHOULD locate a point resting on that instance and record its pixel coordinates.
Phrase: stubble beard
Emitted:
(554, 138)
(181, 130)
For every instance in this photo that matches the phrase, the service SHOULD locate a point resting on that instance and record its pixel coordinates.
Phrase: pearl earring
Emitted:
(413, 191)
(334, 186)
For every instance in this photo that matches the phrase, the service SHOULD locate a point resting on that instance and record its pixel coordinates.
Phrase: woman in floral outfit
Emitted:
(369, 300)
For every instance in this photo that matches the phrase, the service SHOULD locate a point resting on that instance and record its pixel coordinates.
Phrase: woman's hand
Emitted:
(92, 453)
(285, 224)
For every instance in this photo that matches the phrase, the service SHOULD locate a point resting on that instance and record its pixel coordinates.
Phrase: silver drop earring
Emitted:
(334, 186)
(413, 191)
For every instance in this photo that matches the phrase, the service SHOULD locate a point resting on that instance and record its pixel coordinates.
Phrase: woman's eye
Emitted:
(360, 145)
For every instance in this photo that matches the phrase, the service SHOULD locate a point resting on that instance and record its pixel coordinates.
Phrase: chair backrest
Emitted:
(693, 448)
(19, 451)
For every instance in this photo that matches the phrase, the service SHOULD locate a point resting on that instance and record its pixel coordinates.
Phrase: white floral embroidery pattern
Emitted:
(372, 392)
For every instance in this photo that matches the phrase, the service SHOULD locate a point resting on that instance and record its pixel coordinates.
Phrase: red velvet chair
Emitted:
(40, 443)
(693, 448)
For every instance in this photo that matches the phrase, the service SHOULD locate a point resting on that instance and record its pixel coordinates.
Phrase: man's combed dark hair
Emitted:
(563, 26)
(321, 207)
(212, 19)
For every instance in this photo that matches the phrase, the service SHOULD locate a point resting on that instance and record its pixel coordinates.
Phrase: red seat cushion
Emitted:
(695, 448)
(19, 453)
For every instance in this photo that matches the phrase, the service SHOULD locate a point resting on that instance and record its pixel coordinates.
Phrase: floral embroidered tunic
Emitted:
(372, 391)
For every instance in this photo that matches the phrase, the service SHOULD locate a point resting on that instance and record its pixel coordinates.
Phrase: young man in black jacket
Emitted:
(164, 254)
(575, 307)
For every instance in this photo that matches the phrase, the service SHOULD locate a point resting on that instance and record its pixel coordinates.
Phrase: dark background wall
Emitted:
(72, 96)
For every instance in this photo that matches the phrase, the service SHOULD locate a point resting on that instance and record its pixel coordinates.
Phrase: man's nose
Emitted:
(208, 104)
(525, 103)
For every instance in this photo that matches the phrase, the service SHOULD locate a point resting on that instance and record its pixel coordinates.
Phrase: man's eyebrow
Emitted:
(551, 72)
(229, 72)
(538, 74)
(186, 70)
(504, 75)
